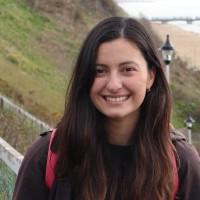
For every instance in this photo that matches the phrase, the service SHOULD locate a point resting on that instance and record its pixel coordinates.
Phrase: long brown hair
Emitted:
(80, 140)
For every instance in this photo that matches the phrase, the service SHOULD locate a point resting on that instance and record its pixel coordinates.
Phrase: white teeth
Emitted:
(116, 99)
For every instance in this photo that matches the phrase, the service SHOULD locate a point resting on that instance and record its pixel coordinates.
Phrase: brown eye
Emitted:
(128, 69)
(100, 71)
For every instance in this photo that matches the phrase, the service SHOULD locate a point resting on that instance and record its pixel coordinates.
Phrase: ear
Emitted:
(151, 78)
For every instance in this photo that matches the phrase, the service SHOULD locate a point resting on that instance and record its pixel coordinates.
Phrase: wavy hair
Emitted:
(80, 141)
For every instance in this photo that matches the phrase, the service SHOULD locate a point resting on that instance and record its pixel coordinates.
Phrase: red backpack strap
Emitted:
(175, 175)
(51, 163)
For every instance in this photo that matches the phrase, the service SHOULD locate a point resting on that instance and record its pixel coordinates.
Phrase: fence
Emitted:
(6, 103)
(10, 161)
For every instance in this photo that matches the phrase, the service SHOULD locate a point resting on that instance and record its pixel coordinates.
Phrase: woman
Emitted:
(114, 141)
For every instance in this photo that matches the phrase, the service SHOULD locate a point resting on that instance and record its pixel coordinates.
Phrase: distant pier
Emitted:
(164, 20)
(133, 1)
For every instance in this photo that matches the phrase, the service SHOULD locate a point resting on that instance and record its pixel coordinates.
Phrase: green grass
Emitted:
(20, 32)
(28, 63)
(34, 93)
(182, 109)
(186, 92)
(7, 181)
(12, 123)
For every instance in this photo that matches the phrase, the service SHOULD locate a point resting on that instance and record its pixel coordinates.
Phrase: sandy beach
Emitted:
(186, 44)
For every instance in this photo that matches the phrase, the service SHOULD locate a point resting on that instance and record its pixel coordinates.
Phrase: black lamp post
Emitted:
(189, 122)
(167, 52)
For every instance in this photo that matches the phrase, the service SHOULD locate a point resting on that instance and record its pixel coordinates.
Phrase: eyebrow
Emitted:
(129, 62)
(120, 64)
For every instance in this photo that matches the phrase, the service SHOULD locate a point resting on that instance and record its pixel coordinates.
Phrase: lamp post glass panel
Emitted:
(167, 52)
(189, 122)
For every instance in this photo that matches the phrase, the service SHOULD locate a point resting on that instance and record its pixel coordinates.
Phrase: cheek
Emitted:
(138, 89)
(96, 88)
(138, 85)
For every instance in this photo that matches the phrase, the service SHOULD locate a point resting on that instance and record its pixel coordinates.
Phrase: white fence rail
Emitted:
(10, 156)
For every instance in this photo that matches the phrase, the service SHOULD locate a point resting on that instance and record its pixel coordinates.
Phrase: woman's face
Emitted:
(121, 81)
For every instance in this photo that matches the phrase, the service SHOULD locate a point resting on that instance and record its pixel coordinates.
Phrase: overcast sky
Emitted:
(151, 8)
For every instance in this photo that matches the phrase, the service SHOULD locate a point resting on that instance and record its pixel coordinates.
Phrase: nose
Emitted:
(114, 83)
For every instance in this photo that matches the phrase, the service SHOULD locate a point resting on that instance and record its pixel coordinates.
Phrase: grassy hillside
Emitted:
(186, 93)
(28, 73)
(37, 47)
(16, 130)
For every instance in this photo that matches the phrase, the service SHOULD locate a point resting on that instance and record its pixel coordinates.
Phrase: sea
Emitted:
(161, 9)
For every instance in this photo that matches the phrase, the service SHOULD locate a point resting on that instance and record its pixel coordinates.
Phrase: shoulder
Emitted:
(189, 167)
(38, 150)
(36, 156)
(187, 153)
(30, 179)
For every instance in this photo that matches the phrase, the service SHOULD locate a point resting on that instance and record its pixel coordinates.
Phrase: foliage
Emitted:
(7, 180)
(15, 128)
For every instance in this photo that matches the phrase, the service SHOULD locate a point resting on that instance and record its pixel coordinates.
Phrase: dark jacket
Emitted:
(30, 182)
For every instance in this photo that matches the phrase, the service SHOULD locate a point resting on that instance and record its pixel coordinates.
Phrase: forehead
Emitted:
(119, 50)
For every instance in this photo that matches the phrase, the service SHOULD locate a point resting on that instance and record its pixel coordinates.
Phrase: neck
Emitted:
(120, 132)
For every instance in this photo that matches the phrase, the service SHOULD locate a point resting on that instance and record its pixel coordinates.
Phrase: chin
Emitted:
(116, 116)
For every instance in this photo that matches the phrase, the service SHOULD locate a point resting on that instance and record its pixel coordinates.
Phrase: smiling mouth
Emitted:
(120, 99)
